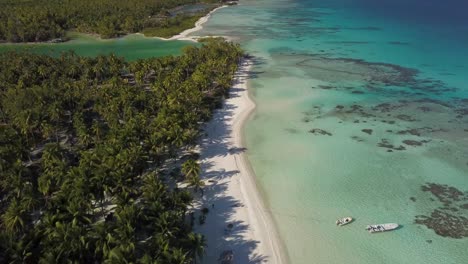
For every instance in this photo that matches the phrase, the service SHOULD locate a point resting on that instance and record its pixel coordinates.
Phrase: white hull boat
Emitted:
(344, 221)
(381, 227)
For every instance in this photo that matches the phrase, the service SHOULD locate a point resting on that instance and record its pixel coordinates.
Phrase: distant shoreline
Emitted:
(198, 26)
(181, 36)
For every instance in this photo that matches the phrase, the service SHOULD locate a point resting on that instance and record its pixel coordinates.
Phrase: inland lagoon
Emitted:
(131, 47)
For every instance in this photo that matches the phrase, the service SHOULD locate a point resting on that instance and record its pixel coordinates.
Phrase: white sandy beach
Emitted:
(198, 26)
(231, 193)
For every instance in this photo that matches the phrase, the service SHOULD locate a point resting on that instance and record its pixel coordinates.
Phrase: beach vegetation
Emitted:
(44, 20)
(84, 144)
(191, 169)
(171, 26)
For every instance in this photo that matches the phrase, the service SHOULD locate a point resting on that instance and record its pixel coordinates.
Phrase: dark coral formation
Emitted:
(358, 139)
(406, 118)
(339, 107)
(376, 75)
(373, 72)
(433, 101)
(420, 130)
(292, 130)
(450, 219)
(326, 87)
(413, 131)
(357, 92)
(410, 142)
(445, 224)
(447, 195)
(367, 131)
(398, 43)
(406, 102)
(384, 143)
(461, 112)
(358, 109)
(315, 112)
(318, 131)
(425, 109)
(386, 107)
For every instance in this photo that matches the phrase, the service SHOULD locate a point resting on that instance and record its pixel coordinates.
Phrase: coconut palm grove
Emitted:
(87, 148)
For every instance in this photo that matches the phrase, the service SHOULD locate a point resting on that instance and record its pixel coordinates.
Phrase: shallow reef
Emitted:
(450, 219)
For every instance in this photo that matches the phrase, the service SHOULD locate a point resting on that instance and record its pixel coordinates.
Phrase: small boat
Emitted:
(381, 227)
(344, 221)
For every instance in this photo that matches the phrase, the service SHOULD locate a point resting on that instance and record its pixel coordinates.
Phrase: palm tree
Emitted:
(14, 217)
(127, 218)
(176, 256)
(197, 183)
(19, 251)
(67, 241)
(197, 244)
(102, 239)
(15, 179)
(191, 169)
(98, 130)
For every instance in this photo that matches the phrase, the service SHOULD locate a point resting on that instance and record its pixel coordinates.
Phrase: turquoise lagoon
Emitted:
(131, 47)
(361, 111)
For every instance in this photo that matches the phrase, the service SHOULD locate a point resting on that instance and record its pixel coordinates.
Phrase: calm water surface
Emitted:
(362, 111)
(131, 47)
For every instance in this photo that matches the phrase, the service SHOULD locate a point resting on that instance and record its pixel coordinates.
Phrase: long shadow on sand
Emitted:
(222, 228)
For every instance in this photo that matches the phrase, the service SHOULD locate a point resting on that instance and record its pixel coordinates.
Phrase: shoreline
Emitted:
(238, 219)
(269, 225)
(198, 26)
(183, 36)
(231, 192)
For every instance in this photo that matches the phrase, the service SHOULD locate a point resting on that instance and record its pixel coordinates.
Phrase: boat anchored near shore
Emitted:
(344, 221)
(381, 227)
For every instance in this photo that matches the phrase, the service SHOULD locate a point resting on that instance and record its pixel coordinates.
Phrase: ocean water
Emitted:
(131, 47)
(361, 111)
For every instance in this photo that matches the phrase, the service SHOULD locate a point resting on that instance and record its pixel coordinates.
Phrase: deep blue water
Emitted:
(427, 11)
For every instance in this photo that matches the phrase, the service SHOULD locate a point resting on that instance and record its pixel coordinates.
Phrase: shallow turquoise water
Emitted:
(331, 66)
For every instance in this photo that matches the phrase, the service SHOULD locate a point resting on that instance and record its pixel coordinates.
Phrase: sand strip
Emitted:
(198, 26)
(238, 219)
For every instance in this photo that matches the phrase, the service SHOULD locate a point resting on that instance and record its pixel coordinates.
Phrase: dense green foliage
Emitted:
(174, 26)
(80, 143)
(40, 20)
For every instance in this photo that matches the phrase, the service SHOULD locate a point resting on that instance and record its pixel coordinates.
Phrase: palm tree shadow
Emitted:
(220, 174)
(222, 228)
(223, 232)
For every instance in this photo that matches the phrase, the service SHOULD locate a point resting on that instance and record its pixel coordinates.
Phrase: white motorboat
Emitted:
(381, 227)
(344, 221)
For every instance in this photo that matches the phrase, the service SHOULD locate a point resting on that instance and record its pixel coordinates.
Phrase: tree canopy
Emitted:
(40, 20)
(78, 137)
